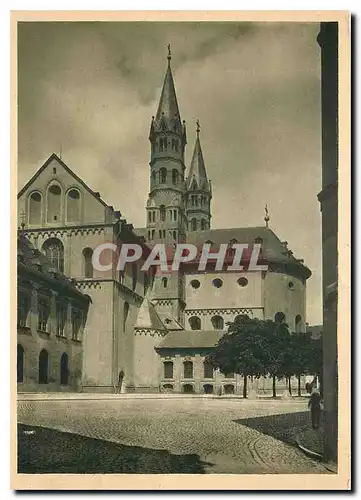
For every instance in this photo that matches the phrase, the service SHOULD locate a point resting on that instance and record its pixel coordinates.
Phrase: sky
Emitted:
(88, 90)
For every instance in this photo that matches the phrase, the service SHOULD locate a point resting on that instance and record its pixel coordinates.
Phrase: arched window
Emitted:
(168, 369)
(125, 314)
(161, 144)
(208, 371)
(20, 364)
(228, 389)
(298, 323)
(88, 264)
(134, 275)
(188, 389)
(163, 175)
(217, 322)
(64, 369)
(280, 317)
(162, 213)
(54, 203)
(54, 251)
(154, 175)
(43, 311)
(203, 224)
(24, 304)
(35, 208)
(195, 323)
(73, 206)
(174, 176)
(208, 389)
(43, 367)
(76, 322)
(164, 282)
(194, 224)
(187, 369)
(174, 235)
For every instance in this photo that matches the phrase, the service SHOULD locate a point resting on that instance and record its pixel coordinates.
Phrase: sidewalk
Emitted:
(68, 396)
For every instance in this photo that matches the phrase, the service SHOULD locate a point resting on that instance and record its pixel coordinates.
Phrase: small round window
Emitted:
(242, 281)
(217, 283)
(195, 284)
(291, 285)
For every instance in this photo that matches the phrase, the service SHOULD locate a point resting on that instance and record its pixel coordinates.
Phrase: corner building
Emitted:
(159, 327)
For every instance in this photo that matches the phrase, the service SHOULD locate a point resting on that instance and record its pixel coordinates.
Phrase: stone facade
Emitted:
(139, 321)
(51, 318)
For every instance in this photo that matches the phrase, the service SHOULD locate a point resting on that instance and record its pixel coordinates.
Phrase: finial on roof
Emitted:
(266, 217)
(169, 57)
(198, 129)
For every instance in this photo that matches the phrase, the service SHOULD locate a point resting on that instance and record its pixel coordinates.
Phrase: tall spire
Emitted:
(168, 114)
(197, 177)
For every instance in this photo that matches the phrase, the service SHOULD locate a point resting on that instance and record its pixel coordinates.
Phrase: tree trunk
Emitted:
(274, 386)
(244, 386)
(289, 386)
(299, 385)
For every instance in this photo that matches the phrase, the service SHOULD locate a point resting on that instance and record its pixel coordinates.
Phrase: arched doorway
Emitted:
(228, 389)
(208, 389)
(20, 364)
(43, 367)
(64, 369)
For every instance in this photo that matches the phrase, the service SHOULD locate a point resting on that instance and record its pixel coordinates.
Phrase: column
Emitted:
(177, 373)
(33, 313)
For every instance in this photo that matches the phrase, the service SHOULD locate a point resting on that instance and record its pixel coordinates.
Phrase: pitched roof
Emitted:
(55, 157)
(194, 339)
(272, 247)
(197, 177)
(148, 317)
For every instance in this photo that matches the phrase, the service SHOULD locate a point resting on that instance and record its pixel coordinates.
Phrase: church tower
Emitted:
(166, 218)
(166, 214)
(199, 191)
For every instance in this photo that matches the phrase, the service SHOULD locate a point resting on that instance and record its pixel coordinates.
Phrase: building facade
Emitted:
(51, 317)
(158, 327)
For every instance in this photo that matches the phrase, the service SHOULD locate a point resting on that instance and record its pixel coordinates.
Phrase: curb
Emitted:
(316, 456)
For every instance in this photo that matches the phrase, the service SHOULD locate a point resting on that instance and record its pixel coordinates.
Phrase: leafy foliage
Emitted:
(255, 348)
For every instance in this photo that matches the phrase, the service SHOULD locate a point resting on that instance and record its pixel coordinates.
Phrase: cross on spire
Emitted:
(169, 57)
(266, 217)
(198, 129)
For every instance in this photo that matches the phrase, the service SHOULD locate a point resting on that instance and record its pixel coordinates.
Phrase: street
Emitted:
(226, 436)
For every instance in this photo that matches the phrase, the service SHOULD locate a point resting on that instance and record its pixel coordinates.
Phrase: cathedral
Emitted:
(154, 327)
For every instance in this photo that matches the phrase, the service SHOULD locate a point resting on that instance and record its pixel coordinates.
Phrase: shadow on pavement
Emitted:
(283, 427)
(42, 450)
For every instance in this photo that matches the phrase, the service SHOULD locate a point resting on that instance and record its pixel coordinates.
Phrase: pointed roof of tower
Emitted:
(197, 177)
(148, 317)
(168, 110)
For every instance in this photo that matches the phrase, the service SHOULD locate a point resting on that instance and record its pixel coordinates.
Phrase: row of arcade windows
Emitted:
(43, 367)
(218, 322)
(195, 225)
(162, 214)
(163, 175)
(188, 371)
(54, 205)
(164, 143)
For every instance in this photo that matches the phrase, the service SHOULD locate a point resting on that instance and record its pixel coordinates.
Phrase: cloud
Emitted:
(91, 89)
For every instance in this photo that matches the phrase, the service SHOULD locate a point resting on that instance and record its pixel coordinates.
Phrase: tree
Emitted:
(242, 349)
(277, 345)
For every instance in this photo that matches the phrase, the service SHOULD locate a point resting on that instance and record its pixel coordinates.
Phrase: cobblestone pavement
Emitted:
(209, 428)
